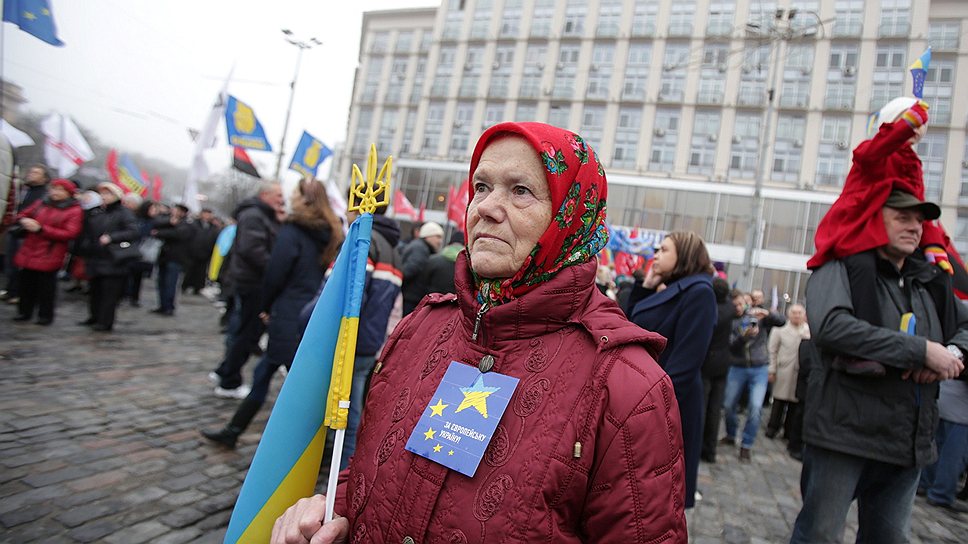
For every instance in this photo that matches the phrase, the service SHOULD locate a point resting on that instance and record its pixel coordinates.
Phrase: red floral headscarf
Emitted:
(578, 188)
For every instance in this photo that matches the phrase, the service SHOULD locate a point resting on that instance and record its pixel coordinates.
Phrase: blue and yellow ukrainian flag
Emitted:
(286, 463)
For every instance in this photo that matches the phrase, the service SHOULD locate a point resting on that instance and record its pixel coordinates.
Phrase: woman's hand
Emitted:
(30, 225)
(652, 280)
(302, 523)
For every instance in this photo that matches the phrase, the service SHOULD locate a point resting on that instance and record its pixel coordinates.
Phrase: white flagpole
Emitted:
(334, 471)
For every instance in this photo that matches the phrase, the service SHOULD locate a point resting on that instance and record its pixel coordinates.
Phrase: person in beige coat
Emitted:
(784, 349)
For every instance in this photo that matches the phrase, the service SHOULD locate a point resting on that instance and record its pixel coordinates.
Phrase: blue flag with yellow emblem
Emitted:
(310, 153)
(286, 463)
(33, 17)
(244, 129)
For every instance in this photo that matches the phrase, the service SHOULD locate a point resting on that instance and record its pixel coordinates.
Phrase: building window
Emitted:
(445, 68)
(404, 41)
(472, 72)
(841, 77)
(744, 148)
(609, 18)
(600, 71)
(644, 15)
(712, 80)
(944, 35)
(833, 155)
(665, 134)
(753, 73)
(795, 89)
(627, 137)
(963, 194)
(559, 115)
(938, 90)
(566, 71)
(380, 43)
(848, 18)
(432, 128)
(454, 20)
(493, 114)
(501, 72)
(637, 71)
(895, 19)
(511, 19)
(680, 20)
(544, 11)
(461, 135)
(788, 148)
(593, 125)
(576, 12)
(374, 73)
(526, 111)
(482, 19)
(408, 144)
(426, 39)
(398, 75)
(418, 80)
(932, 149)
(534, 64)
(388, 128)
(674, 68)
(721, 13)
(361, 143)
(889, 71)
(705, 135)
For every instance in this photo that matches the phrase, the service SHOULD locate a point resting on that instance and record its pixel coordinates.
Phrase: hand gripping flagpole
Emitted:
(366, 195)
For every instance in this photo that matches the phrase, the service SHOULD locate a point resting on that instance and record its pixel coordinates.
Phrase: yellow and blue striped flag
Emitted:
(919, 70)
(286, 463)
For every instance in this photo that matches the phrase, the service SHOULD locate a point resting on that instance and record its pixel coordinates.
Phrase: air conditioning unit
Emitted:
(722, 67)
(458, 123)
(668, 67)
(540, 65)
(849, 70)
(842, 145)
(468, 66)
(561, 66)
(496, 65)
(659, 131)
(806, 70)
(659, 98)
(593, 67)
(964, 164)
(737, 139)
(713, 137)
(797, 143)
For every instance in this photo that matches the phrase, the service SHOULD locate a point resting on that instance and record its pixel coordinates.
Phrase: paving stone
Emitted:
(184, 498)
(179, 537)
(145, 531)
(24, 515)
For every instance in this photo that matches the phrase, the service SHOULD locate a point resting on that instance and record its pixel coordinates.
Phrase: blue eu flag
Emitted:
(33, 17)
(310, 153)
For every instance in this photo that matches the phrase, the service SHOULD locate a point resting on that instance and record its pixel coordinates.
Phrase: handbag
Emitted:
(123, 252)
(150, 248)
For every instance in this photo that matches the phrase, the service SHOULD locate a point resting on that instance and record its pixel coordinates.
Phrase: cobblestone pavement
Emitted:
(99, 441)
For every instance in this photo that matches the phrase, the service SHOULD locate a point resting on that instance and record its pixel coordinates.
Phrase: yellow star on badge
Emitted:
(437, 448)
(451, 452)
(476, 396)
(430, 433)
(438, 409)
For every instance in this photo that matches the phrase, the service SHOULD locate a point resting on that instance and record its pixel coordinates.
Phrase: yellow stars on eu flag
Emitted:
(437, 448)
(476, 396)
(438, 409)
(451, 452)
(430, 433)
(29, 15)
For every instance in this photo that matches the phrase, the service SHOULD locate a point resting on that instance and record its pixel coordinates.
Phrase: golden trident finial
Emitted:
(365, 191)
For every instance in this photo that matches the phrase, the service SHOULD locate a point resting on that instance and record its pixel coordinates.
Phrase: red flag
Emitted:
(420, 215)
(457, 204)
(156, 188)
(242, 162)
(403, 206)
(111, 164)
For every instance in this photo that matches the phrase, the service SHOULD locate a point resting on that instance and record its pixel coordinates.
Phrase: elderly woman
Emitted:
(677, 301)
(588, 447)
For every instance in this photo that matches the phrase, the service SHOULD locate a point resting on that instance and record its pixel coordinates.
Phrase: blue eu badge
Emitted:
(460, 420)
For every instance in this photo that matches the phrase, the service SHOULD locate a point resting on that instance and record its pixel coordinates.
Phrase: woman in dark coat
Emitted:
(109, 245)
(49, 224)
(305, 246)
(676, 300)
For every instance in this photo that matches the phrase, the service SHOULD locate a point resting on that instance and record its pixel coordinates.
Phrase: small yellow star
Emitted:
(430, 433)
(437, 448)
(29, 15)
(438, 409)
(45, 11)
(451, 452)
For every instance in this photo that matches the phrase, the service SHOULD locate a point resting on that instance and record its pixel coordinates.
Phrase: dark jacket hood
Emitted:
(255, 202)
(388, 228)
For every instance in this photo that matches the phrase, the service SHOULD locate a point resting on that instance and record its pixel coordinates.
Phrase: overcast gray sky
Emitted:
(140, 72)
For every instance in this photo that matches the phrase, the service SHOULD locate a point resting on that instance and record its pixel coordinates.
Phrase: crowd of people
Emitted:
(630, 378)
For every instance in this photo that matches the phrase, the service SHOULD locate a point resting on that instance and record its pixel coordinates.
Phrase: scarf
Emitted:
(578, 189)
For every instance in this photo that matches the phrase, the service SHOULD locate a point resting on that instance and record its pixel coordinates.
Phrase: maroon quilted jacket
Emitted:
(60, 222)
(589, 449)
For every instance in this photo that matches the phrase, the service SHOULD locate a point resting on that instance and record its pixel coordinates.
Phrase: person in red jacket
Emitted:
(589, 447)
(50, 224)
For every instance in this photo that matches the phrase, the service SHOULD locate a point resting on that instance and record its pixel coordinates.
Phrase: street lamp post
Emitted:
(779, 31)
(302, 45)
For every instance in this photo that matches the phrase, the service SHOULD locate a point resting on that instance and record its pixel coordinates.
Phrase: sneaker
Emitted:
(239, 392)
(224, 437)
(214, 378)
(697, 496)
(744, 455)
(727, 441)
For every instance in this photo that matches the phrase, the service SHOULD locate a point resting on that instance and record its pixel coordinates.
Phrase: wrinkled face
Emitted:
(511, 207)
(57, 193)
(666, 258)
(904, 228)
(797, 315)
(273, 197)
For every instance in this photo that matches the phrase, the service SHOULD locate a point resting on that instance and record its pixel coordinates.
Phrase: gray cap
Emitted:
(903, 201)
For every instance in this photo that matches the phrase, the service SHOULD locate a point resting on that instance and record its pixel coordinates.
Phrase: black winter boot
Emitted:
(229, 435)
